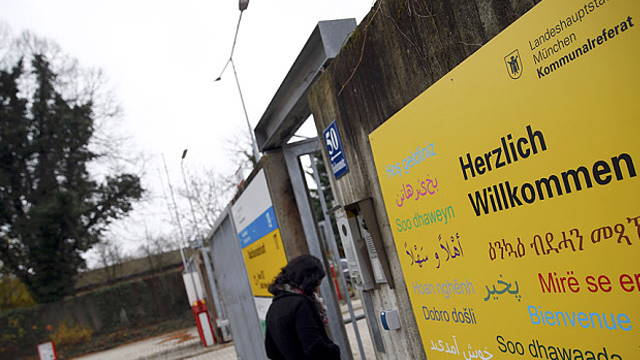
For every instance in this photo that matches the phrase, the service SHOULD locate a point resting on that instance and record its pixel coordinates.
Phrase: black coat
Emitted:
(295, 330)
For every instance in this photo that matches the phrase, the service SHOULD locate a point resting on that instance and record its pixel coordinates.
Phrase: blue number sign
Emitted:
(334, 149)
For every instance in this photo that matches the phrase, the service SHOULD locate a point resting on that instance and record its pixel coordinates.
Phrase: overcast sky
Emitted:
(162, 57)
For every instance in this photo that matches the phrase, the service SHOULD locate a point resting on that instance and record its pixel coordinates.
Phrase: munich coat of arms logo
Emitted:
(514, 64)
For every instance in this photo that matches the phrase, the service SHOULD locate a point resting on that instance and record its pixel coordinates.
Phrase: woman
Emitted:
(296, 317)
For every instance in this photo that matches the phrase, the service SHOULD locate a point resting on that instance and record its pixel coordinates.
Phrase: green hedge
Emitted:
(20, 329)
(133, 304)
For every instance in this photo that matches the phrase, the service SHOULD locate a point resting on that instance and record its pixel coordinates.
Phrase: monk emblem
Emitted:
(514, 64)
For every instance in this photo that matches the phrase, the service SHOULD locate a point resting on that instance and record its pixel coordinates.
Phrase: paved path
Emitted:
(185, 344)
(149, 348)
(229, 353)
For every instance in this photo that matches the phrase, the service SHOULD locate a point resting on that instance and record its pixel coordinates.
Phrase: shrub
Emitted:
(70, 334)
(20, 331)
(125, 306)
(13, 294)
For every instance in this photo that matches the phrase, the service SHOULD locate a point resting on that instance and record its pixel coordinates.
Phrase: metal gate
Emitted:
(317, 247)
(235, 291)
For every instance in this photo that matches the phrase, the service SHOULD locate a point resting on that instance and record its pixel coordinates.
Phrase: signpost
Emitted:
(511, 187)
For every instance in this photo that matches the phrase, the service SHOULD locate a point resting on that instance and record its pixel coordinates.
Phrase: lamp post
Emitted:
(175, 209)
(186, 187)
(243, 4)
(185, 264)
(201, 246)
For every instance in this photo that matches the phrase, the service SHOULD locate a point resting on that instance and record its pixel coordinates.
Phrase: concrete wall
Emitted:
(154, 299)
(284, 204)
(399, 49)
(129, 270)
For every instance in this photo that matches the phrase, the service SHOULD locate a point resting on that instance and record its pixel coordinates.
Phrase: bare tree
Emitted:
(206, 194)
(110, 256)
(240, 150)
(154, 246)
(79, 85)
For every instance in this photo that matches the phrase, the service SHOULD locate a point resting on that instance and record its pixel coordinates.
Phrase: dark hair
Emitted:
(303, 272)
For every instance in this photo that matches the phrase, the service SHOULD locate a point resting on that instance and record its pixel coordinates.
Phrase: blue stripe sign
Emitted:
(259, 228)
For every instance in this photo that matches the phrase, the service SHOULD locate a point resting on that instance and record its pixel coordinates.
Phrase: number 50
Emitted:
(331, 137)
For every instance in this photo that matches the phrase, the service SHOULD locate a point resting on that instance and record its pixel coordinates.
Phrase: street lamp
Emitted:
(186, 187)
(185, 264)
(243, 4)
(177, 214)
(199, 244)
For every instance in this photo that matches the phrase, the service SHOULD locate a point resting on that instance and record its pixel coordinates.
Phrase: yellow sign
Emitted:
(264, 258)
(259, 235)
(513, 194)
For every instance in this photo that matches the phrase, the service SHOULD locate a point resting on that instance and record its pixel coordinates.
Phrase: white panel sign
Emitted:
(254, 201)
(47, 351)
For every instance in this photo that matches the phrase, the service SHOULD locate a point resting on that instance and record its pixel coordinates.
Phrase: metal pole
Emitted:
(333, 247)
(186, 187)
(256, 153)
(205, 254)
(175, 208)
